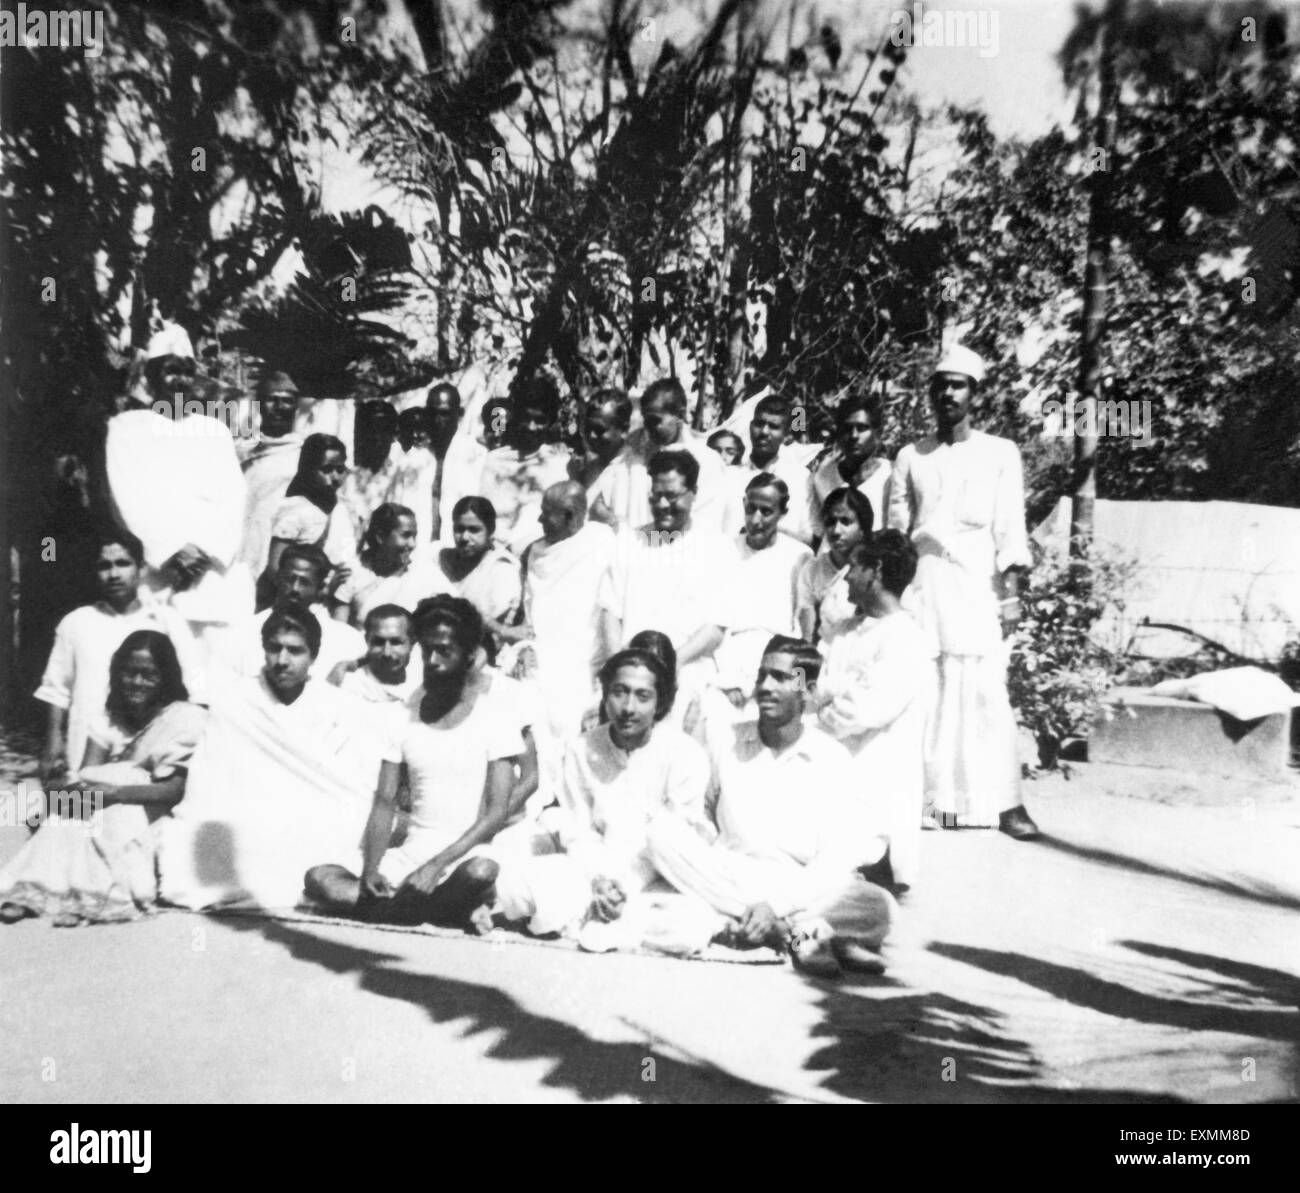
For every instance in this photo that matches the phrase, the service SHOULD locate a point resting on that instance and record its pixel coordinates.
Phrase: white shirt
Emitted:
(797, 807)
(761, 589)
(675, 583)
(448, 764)
(387, 703)
(608, 796)
(561, 588)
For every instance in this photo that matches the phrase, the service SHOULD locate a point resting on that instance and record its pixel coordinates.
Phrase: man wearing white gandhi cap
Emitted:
(177, 485)
(960, 495)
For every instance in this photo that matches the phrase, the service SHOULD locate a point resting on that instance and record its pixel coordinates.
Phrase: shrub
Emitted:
(1059, 672)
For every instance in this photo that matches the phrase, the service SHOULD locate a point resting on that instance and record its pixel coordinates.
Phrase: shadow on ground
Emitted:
(932, 1048)
(596, 1070)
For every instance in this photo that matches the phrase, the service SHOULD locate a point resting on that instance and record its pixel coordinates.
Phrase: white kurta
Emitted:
(791, 834)
(963, 504)
(874, 694)
(180, 482)
(561, 586)
(273, 790)
(760, 590)
(268, 469)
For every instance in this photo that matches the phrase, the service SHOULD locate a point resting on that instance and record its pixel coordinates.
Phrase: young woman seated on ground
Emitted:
(92, 860)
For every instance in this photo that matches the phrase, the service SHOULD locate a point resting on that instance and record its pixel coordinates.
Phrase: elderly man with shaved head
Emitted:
(562, 575)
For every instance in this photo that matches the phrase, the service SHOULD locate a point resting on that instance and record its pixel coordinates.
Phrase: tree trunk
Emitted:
(1095, 280)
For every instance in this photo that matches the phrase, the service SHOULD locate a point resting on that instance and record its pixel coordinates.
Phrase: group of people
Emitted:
(647, 690)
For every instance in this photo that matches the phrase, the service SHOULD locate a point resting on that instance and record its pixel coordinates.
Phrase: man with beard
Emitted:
(269, 465)
(960, 496)
(458, 757)
(621, 495)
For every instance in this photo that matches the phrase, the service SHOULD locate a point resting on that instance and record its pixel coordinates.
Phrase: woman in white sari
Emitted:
(98, 866)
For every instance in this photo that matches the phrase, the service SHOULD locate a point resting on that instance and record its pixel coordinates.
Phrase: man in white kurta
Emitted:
(177, 485)
(761, 579)
(856, 461)
(792, 831)
(771, 452)
(622, 492)
(284, 776)
(562, 576)
(960, 496)
(874, 696)
(269, 466)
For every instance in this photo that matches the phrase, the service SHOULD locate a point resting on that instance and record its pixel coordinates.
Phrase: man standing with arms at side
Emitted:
(960, 495)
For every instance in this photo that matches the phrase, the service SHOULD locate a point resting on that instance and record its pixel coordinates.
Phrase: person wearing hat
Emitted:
(269, 465)
(177, 486)
(960, 495)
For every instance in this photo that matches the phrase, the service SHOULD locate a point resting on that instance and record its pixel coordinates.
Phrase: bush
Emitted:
(1059, 673)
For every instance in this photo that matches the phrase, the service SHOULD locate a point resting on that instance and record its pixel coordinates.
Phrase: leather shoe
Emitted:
(1018, 825)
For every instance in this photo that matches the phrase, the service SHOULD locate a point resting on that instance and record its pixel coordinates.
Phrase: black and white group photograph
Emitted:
(651, 552)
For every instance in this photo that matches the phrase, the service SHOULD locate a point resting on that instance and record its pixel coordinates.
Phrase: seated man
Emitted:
(386, 681)
(282, 777)
(617, 778)
(300, 579)
(874, 694)
(792, 833)
(458, 756)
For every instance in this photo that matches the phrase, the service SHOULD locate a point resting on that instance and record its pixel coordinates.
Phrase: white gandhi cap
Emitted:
(171, 340)
(959, 359)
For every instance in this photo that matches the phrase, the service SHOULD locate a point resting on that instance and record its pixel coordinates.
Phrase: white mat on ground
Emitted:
(304, 914)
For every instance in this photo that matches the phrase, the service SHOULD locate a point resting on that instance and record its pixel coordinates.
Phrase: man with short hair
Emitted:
(875, 693)
(762, 579)
(281, 779)
(669, 575)
(458, 756)
(960, 495)
(417, 469)
(605, 424)
(269, 465)
(769, 438)
(856, 460)
(621, 495)
(516, 474)
(792, 833)
(386, 681)
(300, 579)
(444, 407)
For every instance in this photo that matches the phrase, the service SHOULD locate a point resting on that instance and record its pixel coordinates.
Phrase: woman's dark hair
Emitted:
(163, 653)
(113, 537)
(382, 523)
(665, 685)
(296, 617)
(894, 553)
(857, 501)
(314, 450)
(481, 508)
(659, 644)
(717, 437)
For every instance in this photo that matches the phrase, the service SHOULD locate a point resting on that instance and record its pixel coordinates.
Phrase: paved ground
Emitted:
(1142, 952)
